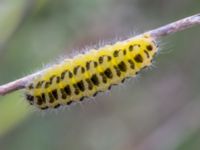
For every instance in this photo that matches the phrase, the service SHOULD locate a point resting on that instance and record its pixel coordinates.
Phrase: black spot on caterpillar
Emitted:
(87, 74)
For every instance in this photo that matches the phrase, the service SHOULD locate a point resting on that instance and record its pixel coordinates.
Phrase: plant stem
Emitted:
(155, 33)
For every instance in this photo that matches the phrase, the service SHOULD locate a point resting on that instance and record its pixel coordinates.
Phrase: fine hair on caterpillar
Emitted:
(85, 75)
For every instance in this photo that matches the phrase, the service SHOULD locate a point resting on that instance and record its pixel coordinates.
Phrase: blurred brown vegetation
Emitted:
(157, 111)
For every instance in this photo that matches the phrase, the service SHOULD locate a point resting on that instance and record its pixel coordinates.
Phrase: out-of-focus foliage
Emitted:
(157, 112)
(10, 17)
(12, 112)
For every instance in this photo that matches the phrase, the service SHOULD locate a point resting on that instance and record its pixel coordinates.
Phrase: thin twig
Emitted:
(176, 26)
(17, 84)
(156, 33)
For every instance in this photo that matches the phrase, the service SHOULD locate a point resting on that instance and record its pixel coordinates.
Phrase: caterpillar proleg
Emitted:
(87, 74)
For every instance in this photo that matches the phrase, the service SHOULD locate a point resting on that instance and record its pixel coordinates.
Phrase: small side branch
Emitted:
(156, 33)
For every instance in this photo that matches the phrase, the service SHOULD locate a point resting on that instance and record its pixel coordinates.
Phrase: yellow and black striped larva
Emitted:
(87, 74)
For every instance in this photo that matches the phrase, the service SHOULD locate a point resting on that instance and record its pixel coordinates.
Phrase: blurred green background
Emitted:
(160, 110)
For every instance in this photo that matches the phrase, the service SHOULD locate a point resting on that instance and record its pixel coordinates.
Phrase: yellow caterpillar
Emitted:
(87, 74)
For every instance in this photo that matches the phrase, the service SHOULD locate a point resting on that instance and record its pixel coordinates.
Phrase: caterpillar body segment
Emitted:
(87, 74)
